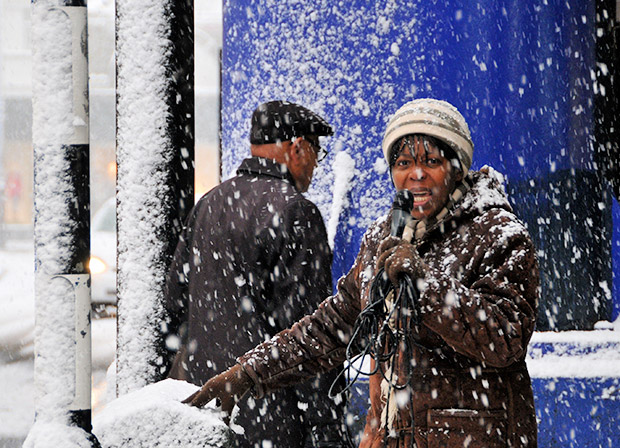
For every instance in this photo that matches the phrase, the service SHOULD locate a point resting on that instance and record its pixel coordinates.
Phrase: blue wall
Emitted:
(520, 72)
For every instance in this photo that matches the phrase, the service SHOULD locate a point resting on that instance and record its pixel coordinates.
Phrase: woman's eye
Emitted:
(433, 162)
(402, 162)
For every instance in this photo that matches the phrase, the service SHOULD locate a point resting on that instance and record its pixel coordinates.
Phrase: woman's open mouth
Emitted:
(421, 198)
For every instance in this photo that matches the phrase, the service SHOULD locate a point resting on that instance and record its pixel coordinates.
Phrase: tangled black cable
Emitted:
(382, 328)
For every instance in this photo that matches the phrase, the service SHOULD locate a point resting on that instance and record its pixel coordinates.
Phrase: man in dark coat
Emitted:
(253, 259)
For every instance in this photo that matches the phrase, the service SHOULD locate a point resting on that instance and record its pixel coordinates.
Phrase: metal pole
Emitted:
(61, 213)
(155, 175)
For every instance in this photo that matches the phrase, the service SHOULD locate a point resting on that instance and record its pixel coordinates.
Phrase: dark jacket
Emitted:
(252, 260)
(470, 385)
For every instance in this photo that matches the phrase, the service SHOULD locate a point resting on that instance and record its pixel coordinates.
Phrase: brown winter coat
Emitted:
(470, 383)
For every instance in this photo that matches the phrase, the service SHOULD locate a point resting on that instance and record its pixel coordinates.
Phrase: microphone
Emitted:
(401, 212)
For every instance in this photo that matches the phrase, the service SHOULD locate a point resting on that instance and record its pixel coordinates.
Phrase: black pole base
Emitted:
(82, 419)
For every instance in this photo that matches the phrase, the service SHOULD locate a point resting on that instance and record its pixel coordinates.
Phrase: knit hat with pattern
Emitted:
(436, 118)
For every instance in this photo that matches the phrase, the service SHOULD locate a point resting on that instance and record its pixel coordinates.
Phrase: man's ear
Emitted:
(295, 150)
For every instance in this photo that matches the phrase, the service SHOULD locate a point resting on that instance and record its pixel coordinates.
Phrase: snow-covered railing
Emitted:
(154, 416)
(574, 354)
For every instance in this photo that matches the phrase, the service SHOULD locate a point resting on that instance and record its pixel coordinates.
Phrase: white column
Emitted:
(155, 158)
(61, 214)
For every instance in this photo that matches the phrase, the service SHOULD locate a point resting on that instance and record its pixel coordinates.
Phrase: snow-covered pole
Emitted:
(155, 174)
(61, 214)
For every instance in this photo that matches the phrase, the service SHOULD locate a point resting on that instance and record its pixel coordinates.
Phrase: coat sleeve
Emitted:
(315, 344)
(492, 319)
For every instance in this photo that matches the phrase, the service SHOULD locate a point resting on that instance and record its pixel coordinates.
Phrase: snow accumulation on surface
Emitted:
(143, 193)
(53, 127)
(154, 416)
(344, 171)
(55, 434)
(574, 354)
(149, 417)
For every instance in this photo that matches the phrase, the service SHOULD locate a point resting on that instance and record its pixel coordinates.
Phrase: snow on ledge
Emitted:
(574, 354)
(573, 367)
(580, 337)
(154, 416)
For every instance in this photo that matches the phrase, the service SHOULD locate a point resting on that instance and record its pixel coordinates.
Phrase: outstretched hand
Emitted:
(227, 387)
(399, 257)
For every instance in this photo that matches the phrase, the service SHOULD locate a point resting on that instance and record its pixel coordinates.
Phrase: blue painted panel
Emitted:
(520, 72)
(578, 412)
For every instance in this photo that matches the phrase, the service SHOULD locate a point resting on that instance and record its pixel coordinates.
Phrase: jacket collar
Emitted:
(260, 166)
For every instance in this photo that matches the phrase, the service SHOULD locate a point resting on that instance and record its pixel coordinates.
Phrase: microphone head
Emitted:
(403, 201)
(401, 212)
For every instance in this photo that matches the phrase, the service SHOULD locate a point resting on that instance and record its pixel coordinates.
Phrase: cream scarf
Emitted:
(414, 232)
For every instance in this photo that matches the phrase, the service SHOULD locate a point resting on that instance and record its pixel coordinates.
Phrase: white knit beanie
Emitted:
(432, 117)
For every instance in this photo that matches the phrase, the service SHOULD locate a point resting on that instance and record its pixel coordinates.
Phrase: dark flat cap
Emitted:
(278, 121)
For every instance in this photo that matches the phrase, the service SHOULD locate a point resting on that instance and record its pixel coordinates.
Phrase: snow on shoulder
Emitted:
(154, 416)
(488, 190)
